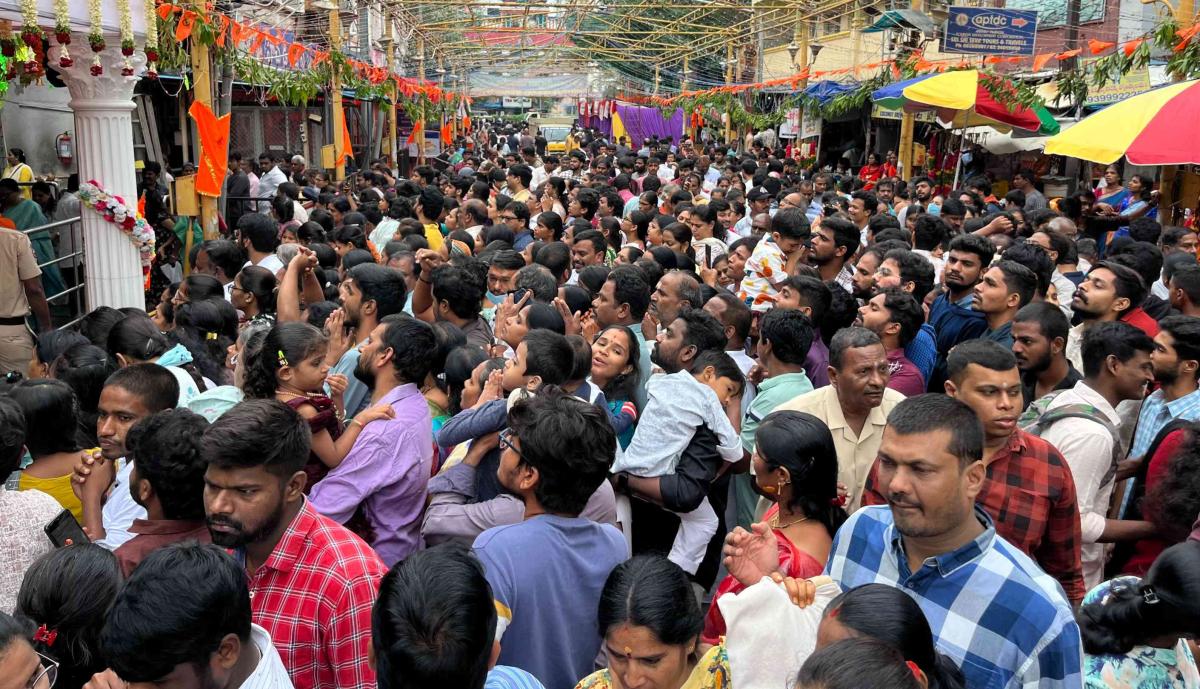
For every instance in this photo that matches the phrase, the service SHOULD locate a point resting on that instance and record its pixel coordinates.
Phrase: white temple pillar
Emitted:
(104, 135)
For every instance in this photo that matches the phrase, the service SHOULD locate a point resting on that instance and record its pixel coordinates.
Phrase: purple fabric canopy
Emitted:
(642, 123)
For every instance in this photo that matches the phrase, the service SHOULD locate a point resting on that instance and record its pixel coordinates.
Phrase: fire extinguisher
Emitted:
(65, 148)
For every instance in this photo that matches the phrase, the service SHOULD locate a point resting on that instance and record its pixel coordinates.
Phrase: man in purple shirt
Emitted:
(387, 470)
(895, 316)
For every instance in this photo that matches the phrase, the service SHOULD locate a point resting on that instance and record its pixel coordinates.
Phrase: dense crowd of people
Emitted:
(662, 416)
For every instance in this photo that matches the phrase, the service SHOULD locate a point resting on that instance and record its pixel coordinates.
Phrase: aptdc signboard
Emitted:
(990, 31)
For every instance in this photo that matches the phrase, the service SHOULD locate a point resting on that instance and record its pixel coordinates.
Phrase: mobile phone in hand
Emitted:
(63, 530)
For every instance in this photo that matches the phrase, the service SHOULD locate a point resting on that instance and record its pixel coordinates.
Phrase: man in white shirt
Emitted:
(259, 238)
(1083, 424)
(183, 616)
(270, 180)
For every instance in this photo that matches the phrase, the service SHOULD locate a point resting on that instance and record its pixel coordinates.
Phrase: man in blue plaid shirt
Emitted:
(1000, 618)
(992, 610)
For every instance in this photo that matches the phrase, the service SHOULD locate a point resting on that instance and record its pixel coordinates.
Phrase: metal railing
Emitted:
(69, 302)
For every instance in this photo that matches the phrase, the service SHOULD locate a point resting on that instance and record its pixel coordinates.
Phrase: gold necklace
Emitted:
(776, 525)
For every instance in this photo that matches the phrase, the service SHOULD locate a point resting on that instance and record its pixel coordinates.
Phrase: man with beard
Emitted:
(1039, 333)
(854, 405)
(129, 395)
(922, 194)
(387, 469)
(1176, 360)
(312, 581)
(183, 620)
(951, 315)
(896, 317)
(369, 293)
(1028, 488)
(1110, 292)
(168, 482)
(1083, 424)
(834, 242)
(933, 541)
(1004, 288)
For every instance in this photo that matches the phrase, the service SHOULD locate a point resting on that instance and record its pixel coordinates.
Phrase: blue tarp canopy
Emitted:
(825, 91)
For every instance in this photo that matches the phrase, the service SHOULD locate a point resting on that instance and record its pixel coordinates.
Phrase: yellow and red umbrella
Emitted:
(1148, 129)
(960, 97)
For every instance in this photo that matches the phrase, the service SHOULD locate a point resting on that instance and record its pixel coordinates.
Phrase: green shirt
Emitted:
(772, 392)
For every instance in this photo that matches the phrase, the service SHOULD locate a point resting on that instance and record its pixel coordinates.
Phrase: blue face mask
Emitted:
(934, 209)
(495, 298)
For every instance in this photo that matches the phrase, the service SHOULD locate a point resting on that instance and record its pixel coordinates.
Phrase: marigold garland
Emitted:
(115, 210)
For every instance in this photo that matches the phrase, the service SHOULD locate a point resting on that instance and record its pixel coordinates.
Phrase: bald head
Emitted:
(475, 212)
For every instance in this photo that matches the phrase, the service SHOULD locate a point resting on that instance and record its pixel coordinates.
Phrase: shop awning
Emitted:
(902, 19)
(1001, 143)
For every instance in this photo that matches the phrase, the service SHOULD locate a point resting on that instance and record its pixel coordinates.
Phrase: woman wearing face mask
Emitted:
(650, 624)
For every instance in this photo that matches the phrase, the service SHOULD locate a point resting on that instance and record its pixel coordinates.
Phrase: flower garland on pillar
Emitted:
(62, 31)
(151, 47)
(96, 36)
(34, 38)
(125, 20)
(125, 217)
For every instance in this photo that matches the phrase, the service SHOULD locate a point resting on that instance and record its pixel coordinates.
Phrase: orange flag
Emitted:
(1097, 47)
(1040, 61)
(466, 122)
(240, 33)
(222, 30)
(446, 137)
(418, 126)
(1132, 46)
(214, 148)
(1067, 54)
(347, 146)
(186, 23)
(295, 51)
(165, 11)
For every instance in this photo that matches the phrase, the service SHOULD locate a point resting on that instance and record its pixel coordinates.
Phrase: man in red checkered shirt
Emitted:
(312, 582)
(1029, 490)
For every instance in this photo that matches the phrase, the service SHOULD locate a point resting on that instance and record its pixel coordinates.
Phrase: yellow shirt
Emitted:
(58, 488)
(21, 173)
(433, 235)
(856, 454)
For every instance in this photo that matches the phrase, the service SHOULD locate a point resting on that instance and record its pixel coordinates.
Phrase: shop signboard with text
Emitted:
(990, 31)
